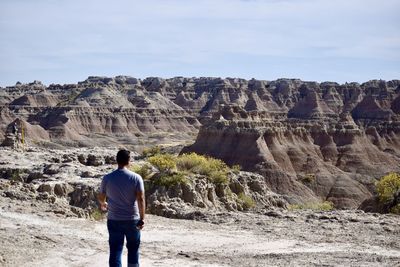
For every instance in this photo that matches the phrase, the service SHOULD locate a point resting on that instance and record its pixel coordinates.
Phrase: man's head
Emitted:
(123, 157)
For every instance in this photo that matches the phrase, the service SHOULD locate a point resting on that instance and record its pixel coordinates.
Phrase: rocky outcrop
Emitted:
(71, 187)
(321, 141)
(245, 191)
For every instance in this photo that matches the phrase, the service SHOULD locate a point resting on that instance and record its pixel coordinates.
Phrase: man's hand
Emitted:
(101, 197)
(104, 206)
(140, 224)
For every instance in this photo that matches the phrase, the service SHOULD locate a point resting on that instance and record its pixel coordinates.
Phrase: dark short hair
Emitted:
(123, 157)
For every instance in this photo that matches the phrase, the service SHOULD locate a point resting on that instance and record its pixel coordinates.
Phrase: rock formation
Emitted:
(120, 108)
(310, 141)
(188, 200)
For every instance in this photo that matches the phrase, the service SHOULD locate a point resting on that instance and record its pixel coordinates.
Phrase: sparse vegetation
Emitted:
(190, 161)
(15, 175)
(144, 170)
(214, 169)
(171, 179)
(151, 151)
(164, 163)
(395, 209)
(229, 192)
(219, 177)
(171, 167)
(236, 168)
(387, 186)
(247, 201)
(317, 206)
(97, 215)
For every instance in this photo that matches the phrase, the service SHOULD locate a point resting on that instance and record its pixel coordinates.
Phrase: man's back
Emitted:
(122, 193)
(120, 187)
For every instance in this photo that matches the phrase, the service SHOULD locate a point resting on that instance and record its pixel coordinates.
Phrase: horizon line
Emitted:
(195, 77)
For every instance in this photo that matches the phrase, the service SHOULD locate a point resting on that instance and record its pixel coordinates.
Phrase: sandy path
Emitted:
(37, 240)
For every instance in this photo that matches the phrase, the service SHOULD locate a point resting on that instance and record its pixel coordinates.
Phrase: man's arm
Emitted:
(101, 197)
(141, 203)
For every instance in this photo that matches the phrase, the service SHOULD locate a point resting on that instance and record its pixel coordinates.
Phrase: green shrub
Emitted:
(97, 215)
(151, 151)
(144, 171)
(219, 177)
(15, 175)
(317, 206)
(190, 161)
(395, 209)
(168, 180)
(228, 192)
(247, 201)
(214, 169)
(164, 163)
(387, 186)
(236, 168)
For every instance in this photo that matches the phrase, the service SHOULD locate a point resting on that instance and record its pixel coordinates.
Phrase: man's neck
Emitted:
(121, 167)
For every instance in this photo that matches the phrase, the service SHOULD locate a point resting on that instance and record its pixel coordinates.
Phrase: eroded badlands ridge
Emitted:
(309, 140)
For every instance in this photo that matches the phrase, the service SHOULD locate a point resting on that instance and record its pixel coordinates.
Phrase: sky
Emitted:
(65, 41)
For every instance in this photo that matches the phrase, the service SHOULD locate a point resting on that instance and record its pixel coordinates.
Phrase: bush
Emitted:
(317, 206)
(190, 161)
(387, 186)
(145, 171)
(16, 175)
(247, 201)
(395, 209)
(219, 177)
(151, 151)
(216, 170)
(165, 163)
(97, 215)
(236, 168)
(171, 179)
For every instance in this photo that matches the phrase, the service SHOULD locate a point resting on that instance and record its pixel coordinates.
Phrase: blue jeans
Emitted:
(118, 230)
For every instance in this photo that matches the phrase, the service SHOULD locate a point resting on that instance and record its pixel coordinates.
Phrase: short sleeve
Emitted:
(103, 185)
(139, 184)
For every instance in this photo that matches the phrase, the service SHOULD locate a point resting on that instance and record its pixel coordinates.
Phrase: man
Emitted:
(122, 194)
(15, 135)
(15, 128)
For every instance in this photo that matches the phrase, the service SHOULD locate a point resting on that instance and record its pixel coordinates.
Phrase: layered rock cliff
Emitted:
(309, 140)
(120, 109)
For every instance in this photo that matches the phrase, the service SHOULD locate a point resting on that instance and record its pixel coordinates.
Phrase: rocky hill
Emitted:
(309, 140)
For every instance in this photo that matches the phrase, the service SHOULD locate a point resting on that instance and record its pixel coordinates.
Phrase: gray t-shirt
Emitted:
(120, 187)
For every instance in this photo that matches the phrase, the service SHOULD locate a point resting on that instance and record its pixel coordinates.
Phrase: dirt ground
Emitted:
(33, 235)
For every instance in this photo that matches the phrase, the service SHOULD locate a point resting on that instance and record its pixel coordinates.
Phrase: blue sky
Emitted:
(64, 41)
